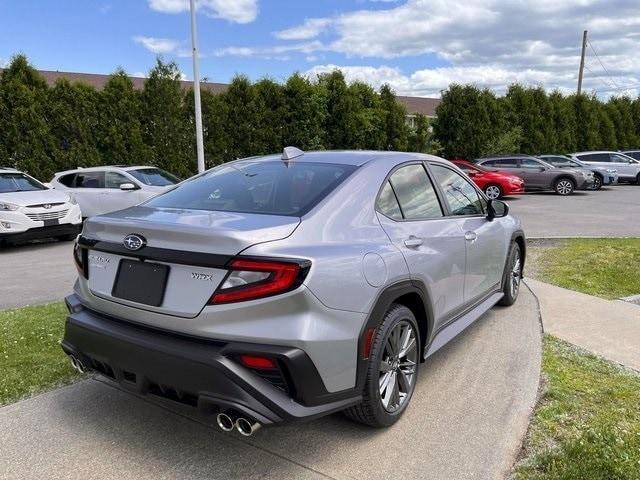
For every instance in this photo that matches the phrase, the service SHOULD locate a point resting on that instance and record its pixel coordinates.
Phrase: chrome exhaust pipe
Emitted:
(245, 427)
(77, 364)
(225, 422)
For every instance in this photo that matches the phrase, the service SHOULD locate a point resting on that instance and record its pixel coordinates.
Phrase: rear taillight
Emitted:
(80, 259)
(250, 279)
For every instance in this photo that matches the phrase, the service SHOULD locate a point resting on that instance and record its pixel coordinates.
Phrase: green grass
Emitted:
(587, 424)
(603, 267)
(31, 359)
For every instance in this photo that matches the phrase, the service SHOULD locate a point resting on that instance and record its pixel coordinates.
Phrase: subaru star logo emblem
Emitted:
(134, 242)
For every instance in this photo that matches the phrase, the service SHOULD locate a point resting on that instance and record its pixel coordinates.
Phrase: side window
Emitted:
(415, 193)
(115, 179)
(619, 158)
(461, 196)
(388, 203)
(529, 163)
(67, 180)
(489, 163)
(90, 180)
(595, 157)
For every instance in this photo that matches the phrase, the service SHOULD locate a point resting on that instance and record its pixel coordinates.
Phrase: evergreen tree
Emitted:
(25, 136)
(119, 131)
(73, 119)
(563, 123)
(369, 132)
(607, 135)
(586, 114)
(165, 121)
(620, 111)
(270, 117)
(214, 113)
(304, 114)
(240, 110)
(340, 123)
(529, 109)
(395, 120)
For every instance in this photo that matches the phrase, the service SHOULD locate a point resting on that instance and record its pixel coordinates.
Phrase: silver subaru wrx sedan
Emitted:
(287, 287)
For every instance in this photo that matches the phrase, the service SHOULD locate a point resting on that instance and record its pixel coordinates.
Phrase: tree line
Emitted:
(472, 122)
(46, 129)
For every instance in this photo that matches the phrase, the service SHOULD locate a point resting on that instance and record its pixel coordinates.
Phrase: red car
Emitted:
(493, 184)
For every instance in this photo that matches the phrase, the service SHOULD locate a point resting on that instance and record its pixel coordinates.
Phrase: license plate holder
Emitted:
(52, 222)
(141, 282)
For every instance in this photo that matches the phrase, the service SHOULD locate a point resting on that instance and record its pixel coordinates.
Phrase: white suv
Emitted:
(101, 190)
(30, 210)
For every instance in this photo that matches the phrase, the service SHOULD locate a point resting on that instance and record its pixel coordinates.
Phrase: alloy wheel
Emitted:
(398, 367)
(597, 183)
(516, 274)
(564, 187)
(492, 192)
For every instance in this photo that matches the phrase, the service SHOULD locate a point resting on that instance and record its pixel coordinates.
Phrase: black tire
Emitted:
(638, 179)
(372, 411)
(597, 182)
(493, 191)
(564, 186)
(511, 294)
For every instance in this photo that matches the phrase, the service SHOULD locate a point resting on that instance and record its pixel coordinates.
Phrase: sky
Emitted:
(419, 47)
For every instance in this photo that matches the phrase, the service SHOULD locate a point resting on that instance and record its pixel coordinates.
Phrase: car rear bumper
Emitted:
(42, 232)
(201, 373)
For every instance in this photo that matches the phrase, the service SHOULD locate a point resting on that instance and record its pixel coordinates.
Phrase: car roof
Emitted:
(512, 155)
(594, 151)
(125, 168)
(9, 169)
(347, 157)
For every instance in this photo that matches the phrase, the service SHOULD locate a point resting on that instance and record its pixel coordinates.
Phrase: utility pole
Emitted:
(580, 74)
(196, 89)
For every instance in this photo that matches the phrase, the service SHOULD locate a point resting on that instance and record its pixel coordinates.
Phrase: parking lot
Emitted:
(44, 272)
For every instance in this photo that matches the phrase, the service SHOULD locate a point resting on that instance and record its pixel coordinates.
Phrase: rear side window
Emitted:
(90, 180)
(461, 196)
(115, 179)
(154, 177)
(635, 155)
(529, 163)
(274, 188)
(502, 163)
(67, 180)
(595, 157)
(415, 193)
(388, 203)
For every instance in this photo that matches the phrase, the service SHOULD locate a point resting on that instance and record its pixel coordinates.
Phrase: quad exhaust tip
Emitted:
(78, 365)
(246, 427)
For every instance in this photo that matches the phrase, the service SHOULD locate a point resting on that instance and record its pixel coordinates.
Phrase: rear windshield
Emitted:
(154, 177)
(18, 182)
(275, 188)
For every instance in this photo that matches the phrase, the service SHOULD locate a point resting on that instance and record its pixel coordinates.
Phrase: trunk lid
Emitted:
(193, 244)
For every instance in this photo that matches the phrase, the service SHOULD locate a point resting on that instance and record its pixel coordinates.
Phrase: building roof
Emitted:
(414, 105)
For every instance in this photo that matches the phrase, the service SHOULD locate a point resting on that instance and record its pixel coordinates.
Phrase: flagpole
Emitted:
(196, 89)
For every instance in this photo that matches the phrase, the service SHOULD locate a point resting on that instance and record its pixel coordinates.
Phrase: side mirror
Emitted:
(497, 209)
(541, 169)
(128, 186)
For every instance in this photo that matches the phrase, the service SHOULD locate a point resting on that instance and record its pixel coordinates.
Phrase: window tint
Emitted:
(529, 163)
(595, 157)
(18, 182)
(415, 193)
(635, 155)
(154, 176)
(67, 180)
(560, 162)
(461, 196)
(89, 180)
(115, 179)
(275, 188)
(388, 203)
(503, 163)
(619, 158)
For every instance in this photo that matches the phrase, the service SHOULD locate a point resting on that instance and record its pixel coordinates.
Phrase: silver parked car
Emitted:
(539, 175)
(281, 288)
(601, 175)
(628, 168)
(106, 189)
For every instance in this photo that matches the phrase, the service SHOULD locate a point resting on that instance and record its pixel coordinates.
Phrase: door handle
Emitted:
(470, 236)
(413, 242)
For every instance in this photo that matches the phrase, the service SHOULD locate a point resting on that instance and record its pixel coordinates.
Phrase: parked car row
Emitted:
(30, 209)
(502, 175)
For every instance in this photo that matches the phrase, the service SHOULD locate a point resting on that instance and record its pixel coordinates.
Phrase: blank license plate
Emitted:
(141, 282)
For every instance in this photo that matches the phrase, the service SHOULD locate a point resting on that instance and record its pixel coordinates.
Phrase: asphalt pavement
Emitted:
(609, 212)
(467, 419)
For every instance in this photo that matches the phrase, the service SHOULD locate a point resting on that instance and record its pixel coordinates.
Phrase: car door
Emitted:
(433, 245)
(88, 189)
(534, 173)
(117, 199)
(485, 240)
(623, 165)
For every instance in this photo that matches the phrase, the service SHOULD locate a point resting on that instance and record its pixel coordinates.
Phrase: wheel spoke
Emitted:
(385, 366)
(388, 390)
(406, 349)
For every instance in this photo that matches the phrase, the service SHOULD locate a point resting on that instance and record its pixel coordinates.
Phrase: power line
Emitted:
(600, 61)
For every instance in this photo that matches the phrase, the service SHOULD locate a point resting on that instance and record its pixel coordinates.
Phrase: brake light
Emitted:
(250, 279)
(80, 260)
(259, 363)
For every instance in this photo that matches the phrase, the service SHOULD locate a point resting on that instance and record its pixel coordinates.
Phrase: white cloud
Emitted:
(276, 52)
(312, 27)
(157, 45)
(238, 11)
(491, 42)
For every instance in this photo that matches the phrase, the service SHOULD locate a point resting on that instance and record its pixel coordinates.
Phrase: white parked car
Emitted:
(29, 210)
(628, 168)
(101, 190)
